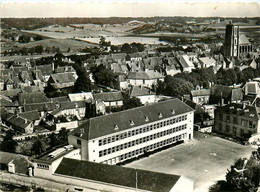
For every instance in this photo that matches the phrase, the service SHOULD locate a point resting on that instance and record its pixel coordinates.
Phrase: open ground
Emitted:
(205, 160)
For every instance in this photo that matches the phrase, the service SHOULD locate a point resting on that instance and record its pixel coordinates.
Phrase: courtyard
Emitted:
(205, 159)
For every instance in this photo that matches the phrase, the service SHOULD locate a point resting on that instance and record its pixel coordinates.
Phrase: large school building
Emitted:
(116, 137)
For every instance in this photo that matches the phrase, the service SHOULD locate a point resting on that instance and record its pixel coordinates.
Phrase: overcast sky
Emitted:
(128, 8)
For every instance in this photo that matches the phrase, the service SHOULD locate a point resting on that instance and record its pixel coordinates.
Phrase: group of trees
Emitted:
(8, 144)
(243, 176)
(183, 83)
(132, 48)
(38, 49)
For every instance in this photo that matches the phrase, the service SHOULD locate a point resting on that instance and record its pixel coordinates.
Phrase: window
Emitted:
(160, 115)
(228, 118)
(100, 142)
(220, 116)
(116, 128)
(132, 123)
(235, 120)
(78, 141)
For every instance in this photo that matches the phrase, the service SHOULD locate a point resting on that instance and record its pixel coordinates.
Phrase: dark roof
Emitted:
(202, 92)
(48, 106)
(235, 108)
(19, 123)
(140, 91)
(95, 128)
(29, 98)
(198, 109)
(30, 115)
(45, 69)
(144, 75)
(6, 157)
(128, 177)
(63, 77)
(6, 102)
(31, 89)
(108, 96)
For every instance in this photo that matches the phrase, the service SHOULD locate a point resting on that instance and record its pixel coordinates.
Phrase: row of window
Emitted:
(243, 122)
(141, 140)
(41, 166)
(150, 147)
(141, 130)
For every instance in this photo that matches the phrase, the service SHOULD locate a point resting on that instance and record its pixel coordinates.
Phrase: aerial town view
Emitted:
(120, 97)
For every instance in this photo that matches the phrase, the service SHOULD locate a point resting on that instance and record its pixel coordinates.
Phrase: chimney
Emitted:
(244, 105)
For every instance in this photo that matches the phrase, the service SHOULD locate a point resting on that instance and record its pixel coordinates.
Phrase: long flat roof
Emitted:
(122, 176)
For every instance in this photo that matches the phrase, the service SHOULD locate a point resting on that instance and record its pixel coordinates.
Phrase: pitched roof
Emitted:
(185, 62)
(6, 157)
(65, 69)
(94, 127)
(31, 115)
(29, 98)
(63, 77)
(202, 92)
(6, 102)
(122, 176)
(207, 60)
(45, 69)
(140, 91)
(48, 106)
(108, 96)
(145, 75)
(19, 123)
(226, 91)
(10, 93)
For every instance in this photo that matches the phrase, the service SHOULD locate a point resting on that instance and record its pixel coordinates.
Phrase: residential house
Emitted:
(237, 120)
(145, 95)
(147, 78)
(67, 69)
(221, 94)
(31, 98)
(111, 99)
(19, 124)
(119, 57)
(75, 108)
(186, 63)
(32, 116)
(46, 71)
(120, 136)
(200, 96)
(62, 80)
(206, 62)
(173, 66)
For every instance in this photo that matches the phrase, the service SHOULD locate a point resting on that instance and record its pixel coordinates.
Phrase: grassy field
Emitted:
(205, 160)
(63, 44)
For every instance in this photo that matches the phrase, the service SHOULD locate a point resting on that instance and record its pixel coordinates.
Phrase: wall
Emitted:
(67, 125)
(91, 148)
(145, 99)
(183, 184)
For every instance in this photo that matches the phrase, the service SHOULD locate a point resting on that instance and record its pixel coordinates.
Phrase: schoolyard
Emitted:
(205, 160)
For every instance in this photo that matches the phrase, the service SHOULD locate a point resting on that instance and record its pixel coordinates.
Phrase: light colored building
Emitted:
(46, 165)
(111, 99)
(80, 96)
(186, 63)
(206, 62)
(200, 96)
(117, 137)
(145, 95)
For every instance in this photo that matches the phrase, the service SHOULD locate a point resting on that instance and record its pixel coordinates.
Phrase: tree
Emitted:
(131, 103)
(126, 48)
(243, 176)
(37, 147)
(8, 144)
(103, 76)
(82, 84)
(38, 38)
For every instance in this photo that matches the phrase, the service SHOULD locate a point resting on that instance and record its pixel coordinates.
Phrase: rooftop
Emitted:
(108, 96)
(122, 176)
(94, 127)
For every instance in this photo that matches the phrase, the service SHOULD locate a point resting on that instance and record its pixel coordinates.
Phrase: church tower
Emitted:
(231, 41)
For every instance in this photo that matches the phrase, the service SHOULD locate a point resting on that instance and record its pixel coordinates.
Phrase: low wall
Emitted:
(67, 125)
(29, 136)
